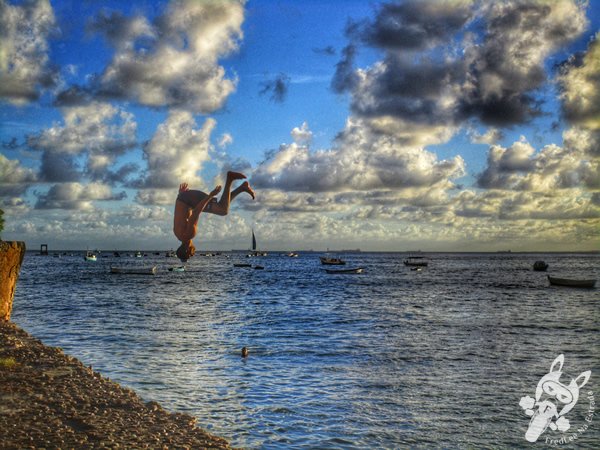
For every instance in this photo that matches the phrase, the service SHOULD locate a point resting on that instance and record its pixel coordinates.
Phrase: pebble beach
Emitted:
(51, 400)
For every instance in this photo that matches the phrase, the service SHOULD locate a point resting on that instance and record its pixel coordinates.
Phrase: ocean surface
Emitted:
(391, 358)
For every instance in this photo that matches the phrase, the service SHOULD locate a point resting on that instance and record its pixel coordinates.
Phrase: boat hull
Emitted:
(569, 282)
(134, 270)
(345, 271)
(332, 261)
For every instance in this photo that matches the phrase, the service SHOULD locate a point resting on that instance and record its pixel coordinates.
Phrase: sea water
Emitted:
(390, 358)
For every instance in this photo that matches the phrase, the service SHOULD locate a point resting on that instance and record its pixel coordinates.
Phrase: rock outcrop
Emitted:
(11, 257)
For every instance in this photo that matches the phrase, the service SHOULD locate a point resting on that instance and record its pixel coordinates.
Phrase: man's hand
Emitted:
(183, 187)
(215, 191)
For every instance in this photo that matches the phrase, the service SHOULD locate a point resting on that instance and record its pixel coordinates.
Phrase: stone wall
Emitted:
(11, 257)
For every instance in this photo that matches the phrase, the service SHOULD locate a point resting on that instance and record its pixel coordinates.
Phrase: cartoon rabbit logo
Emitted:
(553, 400)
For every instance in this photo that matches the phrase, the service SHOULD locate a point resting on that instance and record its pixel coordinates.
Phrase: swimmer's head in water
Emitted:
(186, 251)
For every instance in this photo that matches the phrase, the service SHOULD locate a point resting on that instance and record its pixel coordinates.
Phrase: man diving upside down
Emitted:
(190, 204)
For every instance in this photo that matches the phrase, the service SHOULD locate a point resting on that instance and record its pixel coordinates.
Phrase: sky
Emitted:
(454, 125)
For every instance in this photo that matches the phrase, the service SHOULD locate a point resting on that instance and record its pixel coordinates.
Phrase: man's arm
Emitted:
(192, 224)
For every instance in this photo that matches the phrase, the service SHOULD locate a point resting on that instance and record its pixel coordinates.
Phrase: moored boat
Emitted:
(540, 266)
(90, 256)
(176, 269)
(571, 282)
(345, 271)
(134, 270)
(416, 261)
(329, 261)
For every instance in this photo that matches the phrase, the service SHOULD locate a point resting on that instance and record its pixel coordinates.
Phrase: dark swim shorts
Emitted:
(192, 198)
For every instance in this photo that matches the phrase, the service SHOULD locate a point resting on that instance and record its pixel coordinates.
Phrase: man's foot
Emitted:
(235, 175)
(245, 186)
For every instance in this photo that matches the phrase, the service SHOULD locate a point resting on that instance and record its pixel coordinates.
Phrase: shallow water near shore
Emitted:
(391, 358)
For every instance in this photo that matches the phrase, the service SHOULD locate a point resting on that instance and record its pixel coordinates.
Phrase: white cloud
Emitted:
(520, 167)
(579, 81)
(24, 62)
(225, 140)
(14, 178)
(75, 196)
(362, 160)
(99, 130)
(490, 137)
(178, 64)
(177, 152)
(302, 135)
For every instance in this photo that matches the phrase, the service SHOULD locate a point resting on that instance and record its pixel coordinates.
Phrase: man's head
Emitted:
(186, 250)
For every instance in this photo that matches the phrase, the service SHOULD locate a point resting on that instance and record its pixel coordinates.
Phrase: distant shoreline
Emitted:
(284, 252)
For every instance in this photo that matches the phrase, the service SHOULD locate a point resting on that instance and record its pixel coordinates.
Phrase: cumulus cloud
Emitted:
(520, 167)
(579, 84)
(438, 69)
(414, 24)
(511, 206)
(99, 131)
(75, 196)
(172, 61)
(508, 66)
(14, 178)
(302, 135)
(177, 152)
(362, 160)
(491, 136)
(25, 68)
(155, 196)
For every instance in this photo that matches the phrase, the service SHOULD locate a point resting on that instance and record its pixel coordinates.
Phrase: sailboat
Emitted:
(254, 252)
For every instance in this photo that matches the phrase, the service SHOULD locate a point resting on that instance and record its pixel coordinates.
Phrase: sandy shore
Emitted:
(51, 400)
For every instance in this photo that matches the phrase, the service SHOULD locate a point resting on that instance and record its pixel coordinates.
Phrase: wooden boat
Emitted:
(90, 256)
(416, 261)
(345, 271)
(540, 266)
(329, 261)
(134, 270)
(570, 282)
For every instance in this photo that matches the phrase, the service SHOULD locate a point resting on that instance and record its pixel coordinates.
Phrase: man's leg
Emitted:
(221, 207)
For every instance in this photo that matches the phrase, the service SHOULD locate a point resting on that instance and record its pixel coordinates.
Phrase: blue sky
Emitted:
(439, 125)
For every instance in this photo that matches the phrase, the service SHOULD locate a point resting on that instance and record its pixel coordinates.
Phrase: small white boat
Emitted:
(176, 269)
(90, 256)
(292, 255)
(328, 261)
(416, 261)
(132, 270)
(345, 271)
(570, 282)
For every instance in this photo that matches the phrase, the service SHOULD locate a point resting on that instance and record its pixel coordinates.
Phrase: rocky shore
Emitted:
(51, 400)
